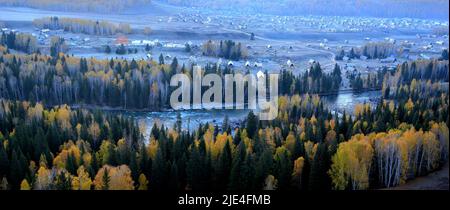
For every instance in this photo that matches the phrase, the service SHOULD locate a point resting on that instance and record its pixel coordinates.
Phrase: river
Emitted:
(192, 118)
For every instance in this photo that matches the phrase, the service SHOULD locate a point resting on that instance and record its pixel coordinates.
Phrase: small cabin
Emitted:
(257, 65)
(247, 64)
(289, 63)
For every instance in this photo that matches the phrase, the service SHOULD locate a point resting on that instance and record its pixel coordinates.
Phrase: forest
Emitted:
(117, 83)
(99, 6)
(371, 50)
(19, 41)
(312, 81)
(85, 26)
(225, 49)
(46, 144)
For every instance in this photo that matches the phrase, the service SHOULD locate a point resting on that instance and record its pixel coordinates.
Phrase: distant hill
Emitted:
(103, 6)
(430, 9)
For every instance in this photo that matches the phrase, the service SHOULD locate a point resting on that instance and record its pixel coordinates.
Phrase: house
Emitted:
(427, 47)
(247, 64)
(260, 74)
(289, 63)
(258, 65)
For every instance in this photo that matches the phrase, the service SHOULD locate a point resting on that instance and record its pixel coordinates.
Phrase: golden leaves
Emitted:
(24, 185)
(82, 181)
(119, 178)
(352, 162)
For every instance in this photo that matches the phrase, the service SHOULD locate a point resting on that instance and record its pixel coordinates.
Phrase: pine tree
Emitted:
(174, 184)
(134, 166)
(223, 167)
(71, 164)
(159, 172)
(4, 162)
(282, 168)
(161, 59)
(263, 168)
(198, 168)
(252, 123)
(63, 181)
(145, 163)
(318, 178)
(236, 174)
(106, 180)
(17, 169)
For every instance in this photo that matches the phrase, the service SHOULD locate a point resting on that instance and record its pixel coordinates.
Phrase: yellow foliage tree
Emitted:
(43, 179)
(82, 181)
(24, 185)
(143, 182)
(352, 162)
(297, 172)
(119, 178)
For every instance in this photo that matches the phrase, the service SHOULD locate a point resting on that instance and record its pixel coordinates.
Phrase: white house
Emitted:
(258, 65)
(289, 63)
(247, 64)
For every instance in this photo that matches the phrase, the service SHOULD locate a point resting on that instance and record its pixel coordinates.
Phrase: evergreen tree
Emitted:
(17, 169)
(282, 168)
(236, 174)
(159, 172)
(106, 180)
(319, 179)
(161, 59)
(4, 162)
(252, 124)
(63, 182)
(223, 167)
(174, 184)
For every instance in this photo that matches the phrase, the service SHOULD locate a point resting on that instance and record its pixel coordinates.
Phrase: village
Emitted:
(224, 95)
(273, 42)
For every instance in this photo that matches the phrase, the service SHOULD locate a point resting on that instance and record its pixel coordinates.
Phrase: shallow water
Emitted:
(347, 101)
(191, 119)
